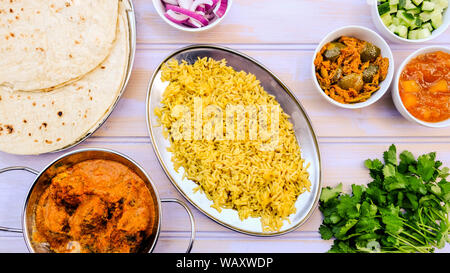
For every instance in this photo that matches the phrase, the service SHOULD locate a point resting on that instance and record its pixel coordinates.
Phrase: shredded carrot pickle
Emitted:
(350, 70)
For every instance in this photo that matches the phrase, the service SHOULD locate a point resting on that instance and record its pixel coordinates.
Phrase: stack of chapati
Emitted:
(63, 64)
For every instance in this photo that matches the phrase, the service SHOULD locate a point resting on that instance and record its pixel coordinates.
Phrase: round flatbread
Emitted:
(41, 122)
(46, 44)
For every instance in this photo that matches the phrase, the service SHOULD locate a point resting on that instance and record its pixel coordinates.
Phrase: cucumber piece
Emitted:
(386, 18)
(393, 9)
(396, 21)
(417, 2)
(406, 17)
(401, 31)
(440, 4)
(428, 26)
(414, 11)
(423, 33)
(436, 19)
(417, 23)
(409, 5)
(427, 6)
(401, 4)
(425, 16)
(412, 34)
(384, 8)
(393, 2)
(443, 4)
(392, 28)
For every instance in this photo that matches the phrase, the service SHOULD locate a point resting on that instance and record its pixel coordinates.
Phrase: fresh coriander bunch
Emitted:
(404, 209)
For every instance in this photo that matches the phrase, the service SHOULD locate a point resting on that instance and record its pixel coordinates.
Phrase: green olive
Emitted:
(370, 72)
(353, 80)
(370, 52)
(333, 51)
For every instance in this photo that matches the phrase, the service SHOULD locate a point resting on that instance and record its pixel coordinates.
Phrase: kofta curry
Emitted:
(350, 70)
(95, 206)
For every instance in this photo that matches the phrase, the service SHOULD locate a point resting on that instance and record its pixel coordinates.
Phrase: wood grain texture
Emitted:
(283, 38)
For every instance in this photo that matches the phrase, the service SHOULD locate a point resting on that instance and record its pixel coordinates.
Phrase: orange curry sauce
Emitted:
(95, 206)
(424, 86)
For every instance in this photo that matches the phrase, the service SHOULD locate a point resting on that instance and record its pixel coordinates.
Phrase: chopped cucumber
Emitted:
(414, 11)
(401, 31)
(412, 19)
(387, 19)
(428, 26)
(393, 9)
(425, 16)
(384, 8)
(423, 33)
(401, 4)
(427, 6)
(406, 17)
(409, 5)
(396, 21)
(441, 4)
(436, 19)
(412, 35)
(392, 28)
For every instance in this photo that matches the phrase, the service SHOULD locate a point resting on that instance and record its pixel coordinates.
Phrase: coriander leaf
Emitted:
(347, 207)
(390, 156)
(393, 222)
(329, 193)
(377, 194)
(416, 185)
(444, 172)
(373, 164)
(412, 198)
(398, 181)
(425, 166)
(325, 232)
(407, 158)
(366, 224)
(388, 170)
(357, 191)
(368, 209)
(342, 230)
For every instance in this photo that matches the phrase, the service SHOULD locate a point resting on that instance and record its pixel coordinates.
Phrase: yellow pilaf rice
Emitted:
(234, 174)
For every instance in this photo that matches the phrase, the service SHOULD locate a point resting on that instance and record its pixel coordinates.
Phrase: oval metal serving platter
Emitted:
(305, 204)
(132, 45)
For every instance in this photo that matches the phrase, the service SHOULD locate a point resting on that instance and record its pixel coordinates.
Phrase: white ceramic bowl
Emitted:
(364, 34)
(396, 93)
(393, 37)
(161, 10)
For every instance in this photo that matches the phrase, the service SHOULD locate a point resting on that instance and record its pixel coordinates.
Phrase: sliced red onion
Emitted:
(189, 13)
(220, 11)
(175, 17)
(171, 2)
(201, 8)
(194, 13)
(197, 3)
(210, 16)
(193, 23)
(185, 4)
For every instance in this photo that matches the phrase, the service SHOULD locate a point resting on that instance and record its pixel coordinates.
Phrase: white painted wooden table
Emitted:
(283, 36)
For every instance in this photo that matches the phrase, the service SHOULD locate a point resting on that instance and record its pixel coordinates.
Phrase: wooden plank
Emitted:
(263, 21)
(217, 242)
(341, 162)
(294, 68)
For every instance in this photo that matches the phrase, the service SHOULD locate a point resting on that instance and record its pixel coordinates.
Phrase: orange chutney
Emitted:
(424, 86)
(95, 206)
